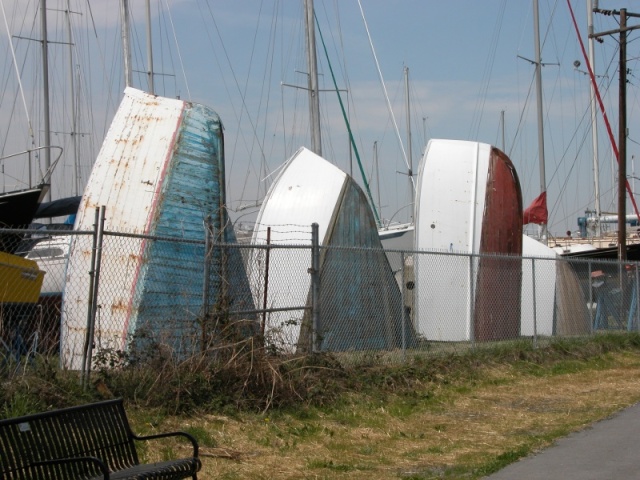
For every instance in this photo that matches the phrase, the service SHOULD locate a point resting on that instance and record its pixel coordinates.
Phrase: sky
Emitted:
(470, 64)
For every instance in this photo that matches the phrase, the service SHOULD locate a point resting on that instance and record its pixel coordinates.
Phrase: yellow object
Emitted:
(20, 279)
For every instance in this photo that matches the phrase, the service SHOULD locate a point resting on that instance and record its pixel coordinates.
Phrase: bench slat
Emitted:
(78, 442)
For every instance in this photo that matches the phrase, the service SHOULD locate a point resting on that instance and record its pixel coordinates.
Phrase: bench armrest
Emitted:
(190, 437)
(63, 461)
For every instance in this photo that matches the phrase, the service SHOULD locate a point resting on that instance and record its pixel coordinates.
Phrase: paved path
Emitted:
(607, 450)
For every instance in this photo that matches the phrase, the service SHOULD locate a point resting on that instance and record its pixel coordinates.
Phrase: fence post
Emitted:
(535, 308)
(94, 294)
(590, 280)
(315, 286)
(205, 283)
(87, 338)
(472, 294)
(266, 283)
(637, 294)
(403, 310)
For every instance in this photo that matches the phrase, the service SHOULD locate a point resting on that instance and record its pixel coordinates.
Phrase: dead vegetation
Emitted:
(450, 415)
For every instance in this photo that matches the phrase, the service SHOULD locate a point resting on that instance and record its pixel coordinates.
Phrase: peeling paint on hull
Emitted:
(160, 172)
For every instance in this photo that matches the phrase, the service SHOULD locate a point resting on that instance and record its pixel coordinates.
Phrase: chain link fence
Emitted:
(73, 294)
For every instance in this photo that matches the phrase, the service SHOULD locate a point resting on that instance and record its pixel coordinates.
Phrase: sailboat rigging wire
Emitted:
(15, 64)
(486, 75)
(345, 74)
(521, 119)
(604, 113)
(235, 79)
(175, 39)
(384, 88)
(344, 115)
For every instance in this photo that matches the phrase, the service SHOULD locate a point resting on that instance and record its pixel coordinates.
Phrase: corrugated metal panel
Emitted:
(160, 172)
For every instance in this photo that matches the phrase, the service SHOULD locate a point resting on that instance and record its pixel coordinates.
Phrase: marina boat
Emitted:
(20, 278)
(357, 316)
(20, 283)
(468, 201)
(51, 255)
(17, 209)
(160, 172)
(559, 306)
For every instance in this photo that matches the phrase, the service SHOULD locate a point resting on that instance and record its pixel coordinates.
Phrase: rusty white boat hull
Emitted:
(160, 172)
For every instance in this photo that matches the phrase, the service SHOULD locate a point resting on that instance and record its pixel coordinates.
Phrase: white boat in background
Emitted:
(538, 314)
(397, 236)
(468, 201)
(366, 311)
(51, 254)
(160, 172)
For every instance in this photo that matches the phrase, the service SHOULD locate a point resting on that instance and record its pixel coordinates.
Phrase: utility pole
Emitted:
(622, 121)
(622, 140)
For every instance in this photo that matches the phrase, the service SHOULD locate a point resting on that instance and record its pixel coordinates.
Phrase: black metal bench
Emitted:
(91, 441)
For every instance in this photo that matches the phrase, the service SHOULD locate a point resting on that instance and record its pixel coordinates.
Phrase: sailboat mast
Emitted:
(312, 63)
(375, 161)
(45, 88)
(74, 142)
(149, 50)
(409, 152)
(538, 65)
(594, 123)
(504, 146)
(126, 47)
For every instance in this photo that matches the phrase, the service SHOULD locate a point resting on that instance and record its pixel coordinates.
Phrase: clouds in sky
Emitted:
(235, 56)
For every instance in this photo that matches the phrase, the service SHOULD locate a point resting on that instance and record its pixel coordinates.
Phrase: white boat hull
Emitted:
(468, 202)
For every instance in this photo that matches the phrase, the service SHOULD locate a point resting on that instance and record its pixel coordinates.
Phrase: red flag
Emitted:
(537, 211)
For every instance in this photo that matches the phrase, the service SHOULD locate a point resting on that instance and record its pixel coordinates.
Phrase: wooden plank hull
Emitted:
(160, 172)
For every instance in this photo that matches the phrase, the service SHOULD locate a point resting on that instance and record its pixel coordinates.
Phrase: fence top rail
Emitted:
(46, 232)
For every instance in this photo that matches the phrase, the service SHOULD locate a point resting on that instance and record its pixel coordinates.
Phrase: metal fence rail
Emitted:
(116, 291)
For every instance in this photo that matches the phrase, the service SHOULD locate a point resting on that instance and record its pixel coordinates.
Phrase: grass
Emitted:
(462, 417)
(445, 416)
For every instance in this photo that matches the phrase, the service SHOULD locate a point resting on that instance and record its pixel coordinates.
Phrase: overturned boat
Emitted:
(159, 175)
(360, 302)
(468, 202)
